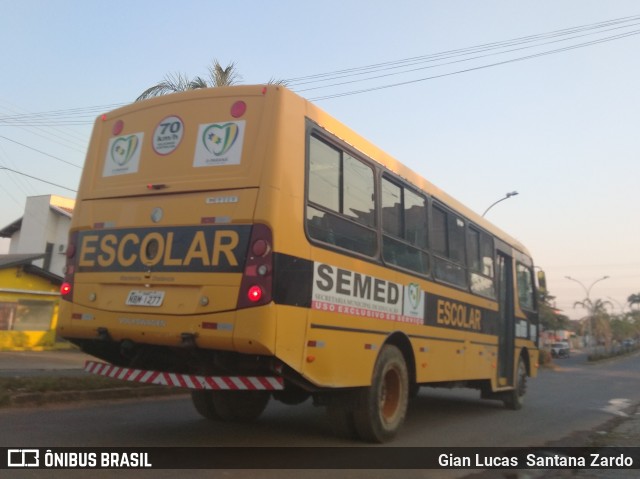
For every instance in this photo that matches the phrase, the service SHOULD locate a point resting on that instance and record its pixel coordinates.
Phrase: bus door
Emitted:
(506, 323)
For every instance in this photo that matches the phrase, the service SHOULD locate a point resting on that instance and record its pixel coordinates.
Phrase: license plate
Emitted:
(145, 298)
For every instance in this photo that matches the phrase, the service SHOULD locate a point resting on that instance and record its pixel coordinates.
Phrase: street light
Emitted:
(506, 197)
(587, 292)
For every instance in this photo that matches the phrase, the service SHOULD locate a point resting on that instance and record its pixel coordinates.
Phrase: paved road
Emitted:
(574, 397)
(34, 363)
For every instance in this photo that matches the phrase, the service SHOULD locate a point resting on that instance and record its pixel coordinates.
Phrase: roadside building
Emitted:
(31, 274)
(29, 297)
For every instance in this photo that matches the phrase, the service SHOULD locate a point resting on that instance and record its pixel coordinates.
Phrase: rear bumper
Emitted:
(187, 381)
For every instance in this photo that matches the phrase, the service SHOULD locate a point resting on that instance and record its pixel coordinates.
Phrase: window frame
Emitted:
(481, 237)
(531, 287)
(443, 258)
(339, 217)
(423, 251)
(461, 270)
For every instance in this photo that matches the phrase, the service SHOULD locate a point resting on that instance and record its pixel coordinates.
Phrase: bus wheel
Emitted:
(383, 405)
(342, 422)
(230, 405)
(515, 399)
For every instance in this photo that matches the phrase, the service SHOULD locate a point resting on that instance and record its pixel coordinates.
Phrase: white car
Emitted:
(560, 349)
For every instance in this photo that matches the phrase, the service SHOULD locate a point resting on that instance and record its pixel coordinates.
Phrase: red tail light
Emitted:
(254, 294)
(66, 290)
(257, 280)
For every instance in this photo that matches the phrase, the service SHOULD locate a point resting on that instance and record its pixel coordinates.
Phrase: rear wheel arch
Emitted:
(403, 343)
(524, 355)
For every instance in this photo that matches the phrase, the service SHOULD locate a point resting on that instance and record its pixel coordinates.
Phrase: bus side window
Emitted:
(524, 278)
(448, 244)
(404, 225)
(481, 263)
(324, 175)
(341, 201)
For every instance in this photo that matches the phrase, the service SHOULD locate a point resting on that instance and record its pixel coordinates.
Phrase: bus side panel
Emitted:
(280, 205)
(482, 358)
(440, 359)
(291, 333)
(255, 330)
(338, 358)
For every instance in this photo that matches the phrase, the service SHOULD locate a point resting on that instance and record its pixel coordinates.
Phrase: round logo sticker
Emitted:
(168, 135)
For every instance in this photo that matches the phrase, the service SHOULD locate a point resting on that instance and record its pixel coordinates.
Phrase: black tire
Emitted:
(382, 407)
(514, 399)
(230, 405)
(342, 422)
(204, 405)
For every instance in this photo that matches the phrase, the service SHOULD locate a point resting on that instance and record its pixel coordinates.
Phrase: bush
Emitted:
(544, 357)
(600, 354)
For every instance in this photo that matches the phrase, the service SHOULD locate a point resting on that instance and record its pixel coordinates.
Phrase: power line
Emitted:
(481, 67)
(72, 116)
(64, 135)
(395, 64)
(76, 116)
(41, 152)
(466, 59)
(37, 179)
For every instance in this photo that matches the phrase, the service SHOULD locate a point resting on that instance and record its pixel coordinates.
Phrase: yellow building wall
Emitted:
(24, 298)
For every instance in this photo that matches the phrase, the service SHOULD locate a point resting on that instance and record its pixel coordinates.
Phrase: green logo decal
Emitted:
(414, 295)
(123, 149)
(218, 139)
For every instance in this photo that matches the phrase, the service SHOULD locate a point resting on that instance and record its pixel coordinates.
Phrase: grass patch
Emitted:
(10, 386)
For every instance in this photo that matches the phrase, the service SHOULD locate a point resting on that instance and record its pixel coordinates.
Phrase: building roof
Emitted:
(64, 210)
(8, 260)
(10, 229)
(25, 260)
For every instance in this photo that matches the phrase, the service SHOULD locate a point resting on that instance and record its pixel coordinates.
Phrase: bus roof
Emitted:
(340, 130)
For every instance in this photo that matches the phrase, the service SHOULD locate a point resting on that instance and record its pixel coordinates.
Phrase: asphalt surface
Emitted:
(67, 362)
(622, 431)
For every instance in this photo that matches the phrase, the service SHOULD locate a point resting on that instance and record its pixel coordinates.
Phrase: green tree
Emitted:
(622, 327)
(550, 318)
(634, 318)
(634, 299)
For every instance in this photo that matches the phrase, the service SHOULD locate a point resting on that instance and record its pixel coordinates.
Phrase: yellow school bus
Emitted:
(242, 243)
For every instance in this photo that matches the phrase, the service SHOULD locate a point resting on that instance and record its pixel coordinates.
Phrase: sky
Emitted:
(481, 98)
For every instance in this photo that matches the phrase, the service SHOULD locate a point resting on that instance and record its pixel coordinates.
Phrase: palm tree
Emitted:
(634, 299)
(175, 82)
(597, 319)
(218, 76)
